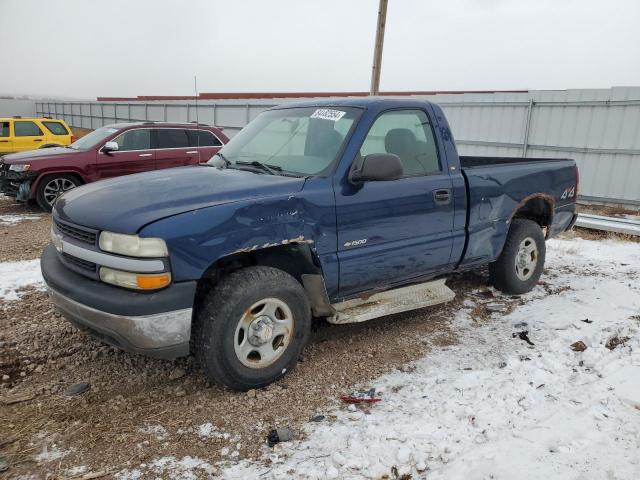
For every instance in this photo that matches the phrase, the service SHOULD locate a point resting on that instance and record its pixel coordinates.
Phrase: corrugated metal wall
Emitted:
(599, 128)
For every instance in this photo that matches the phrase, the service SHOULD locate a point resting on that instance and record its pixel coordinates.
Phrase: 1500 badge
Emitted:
(355, 243)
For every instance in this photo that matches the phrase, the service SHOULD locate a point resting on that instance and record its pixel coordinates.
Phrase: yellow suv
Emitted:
(18, 134)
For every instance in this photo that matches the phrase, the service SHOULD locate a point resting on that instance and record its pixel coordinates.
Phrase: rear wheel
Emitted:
(252, 327)
(519, 266)
(51, 187)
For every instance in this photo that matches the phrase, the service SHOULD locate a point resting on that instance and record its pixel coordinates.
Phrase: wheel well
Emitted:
(297, 259)
(538, 208)
(45, 175)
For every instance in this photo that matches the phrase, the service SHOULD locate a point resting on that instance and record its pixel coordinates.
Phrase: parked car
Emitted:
(342, 209)
(106, 152)
(19, 134)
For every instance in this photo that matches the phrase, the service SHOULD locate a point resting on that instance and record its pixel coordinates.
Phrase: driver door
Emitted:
(390, 232)
(134, 155)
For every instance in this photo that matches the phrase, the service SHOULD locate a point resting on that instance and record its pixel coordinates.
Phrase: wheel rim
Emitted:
(56, 187)
(263, 333)
(526, 259)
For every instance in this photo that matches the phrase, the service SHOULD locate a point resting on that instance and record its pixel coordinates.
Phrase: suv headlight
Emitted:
(20, 168)
(132, 245)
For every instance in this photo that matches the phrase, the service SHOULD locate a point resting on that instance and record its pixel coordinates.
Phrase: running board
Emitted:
(392, 301)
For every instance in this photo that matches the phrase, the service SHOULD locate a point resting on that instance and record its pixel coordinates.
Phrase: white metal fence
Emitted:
(599, 128)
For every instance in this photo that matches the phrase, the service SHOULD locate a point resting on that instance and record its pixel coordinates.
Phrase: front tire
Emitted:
(251, 329)
(51, 187)
(519, 266)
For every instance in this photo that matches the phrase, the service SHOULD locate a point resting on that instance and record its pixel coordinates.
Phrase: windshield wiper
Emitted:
(271, 169)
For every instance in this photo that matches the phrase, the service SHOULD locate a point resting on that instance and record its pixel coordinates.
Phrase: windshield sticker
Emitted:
(328, 114)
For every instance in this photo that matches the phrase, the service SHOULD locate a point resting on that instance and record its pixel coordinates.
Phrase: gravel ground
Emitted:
(139, 409)
(22, 240)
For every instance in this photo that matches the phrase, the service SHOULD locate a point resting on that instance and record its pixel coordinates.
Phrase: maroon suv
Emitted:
(110, 151)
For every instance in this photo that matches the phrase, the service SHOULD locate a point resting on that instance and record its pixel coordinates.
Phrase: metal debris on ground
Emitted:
(487, 294)
(77, 389)
(586, 320)
(524, 335)
(317, 418)
(361, 396)
(496, 307)
(277, 435)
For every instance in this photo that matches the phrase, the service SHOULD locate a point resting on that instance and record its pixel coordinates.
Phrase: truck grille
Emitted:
(82, 234)
(79, 263)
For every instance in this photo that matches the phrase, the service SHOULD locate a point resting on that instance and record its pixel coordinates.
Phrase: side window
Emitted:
(407, 134)
(56, 128)
(202, 138)
(134, 140)
(4, 129)
(172, 138)
(26, 129)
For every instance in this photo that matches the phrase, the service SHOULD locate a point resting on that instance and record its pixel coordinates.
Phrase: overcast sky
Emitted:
(80, 48)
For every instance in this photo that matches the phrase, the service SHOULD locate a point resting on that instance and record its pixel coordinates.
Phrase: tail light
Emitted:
(577, 180)
(73, 138)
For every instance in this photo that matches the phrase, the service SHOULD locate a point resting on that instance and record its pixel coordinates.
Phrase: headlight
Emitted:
(20, 168)
(133, 245)
(138, 281)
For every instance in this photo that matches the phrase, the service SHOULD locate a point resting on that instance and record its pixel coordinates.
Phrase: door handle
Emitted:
(4, 141)
(37, 139)
(145, 155)
(192, 152)
(442, 196)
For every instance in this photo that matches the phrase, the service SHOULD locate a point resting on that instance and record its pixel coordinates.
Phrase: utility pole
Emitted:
(377, 53)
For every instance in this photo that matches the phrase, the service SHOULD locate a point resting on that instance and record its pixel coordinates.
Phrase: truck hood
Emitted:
(40, 154)
(126, 204)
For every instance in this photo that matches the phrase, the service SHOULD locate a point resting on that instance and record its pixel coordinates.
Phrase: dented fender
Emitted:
(199, 238)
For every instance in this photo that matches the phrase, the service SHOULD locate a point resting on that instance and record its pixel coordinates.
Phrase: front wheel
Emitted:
(51, 187)
(251, 328)
(519, 266)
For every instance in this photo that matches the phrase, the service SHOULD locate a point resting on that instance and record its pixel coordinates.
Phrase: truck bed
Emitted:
(498, 186)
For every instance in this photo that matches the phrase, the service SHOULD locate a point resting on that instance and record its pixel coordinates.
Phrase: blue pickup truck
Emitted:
(344, 209)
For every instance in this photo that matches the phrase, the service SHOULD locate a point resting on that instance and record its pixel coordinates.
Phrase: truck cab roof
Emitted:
(360, 102)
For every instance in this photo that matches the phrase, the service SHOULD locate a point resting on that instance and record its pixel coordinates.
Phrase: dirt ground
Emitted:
(140, 409)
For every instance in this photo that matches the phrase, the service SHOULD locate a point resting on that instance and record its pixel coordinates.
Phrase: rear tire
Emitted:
(519, 266)
(52, 186)
(251, 329)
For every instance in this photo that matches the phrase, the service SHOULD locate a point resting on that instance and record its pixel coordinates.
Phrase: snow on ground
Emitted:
(490, 407)
(6, 220)
(16, 275)
(493, 406)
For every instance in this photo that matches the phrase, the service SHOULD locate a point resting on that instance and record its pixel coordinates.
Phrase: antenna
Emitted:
(195, 89)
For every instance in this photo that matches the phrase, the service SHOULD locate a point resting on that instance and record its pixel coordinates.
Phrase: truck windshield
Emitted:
(299, 141)
(92, 139)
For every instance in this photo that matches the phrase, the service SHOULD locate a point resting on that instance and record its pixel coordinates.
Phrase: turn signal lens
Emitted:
(153, 282)
(137, 281)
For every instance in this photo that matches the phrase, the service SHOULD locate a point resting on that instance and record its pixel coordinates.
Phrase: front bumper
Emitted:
(16, 184)
(155, 324)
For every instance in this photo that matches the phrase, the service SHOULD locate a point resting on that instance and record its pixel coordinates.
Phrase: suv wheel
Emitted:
(519, 266)
(51, 187)
(251, 328)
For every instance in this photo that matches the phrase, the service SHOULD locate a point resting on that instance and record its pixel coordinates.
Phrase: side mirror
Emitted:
(376, 167)
(110, 147)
